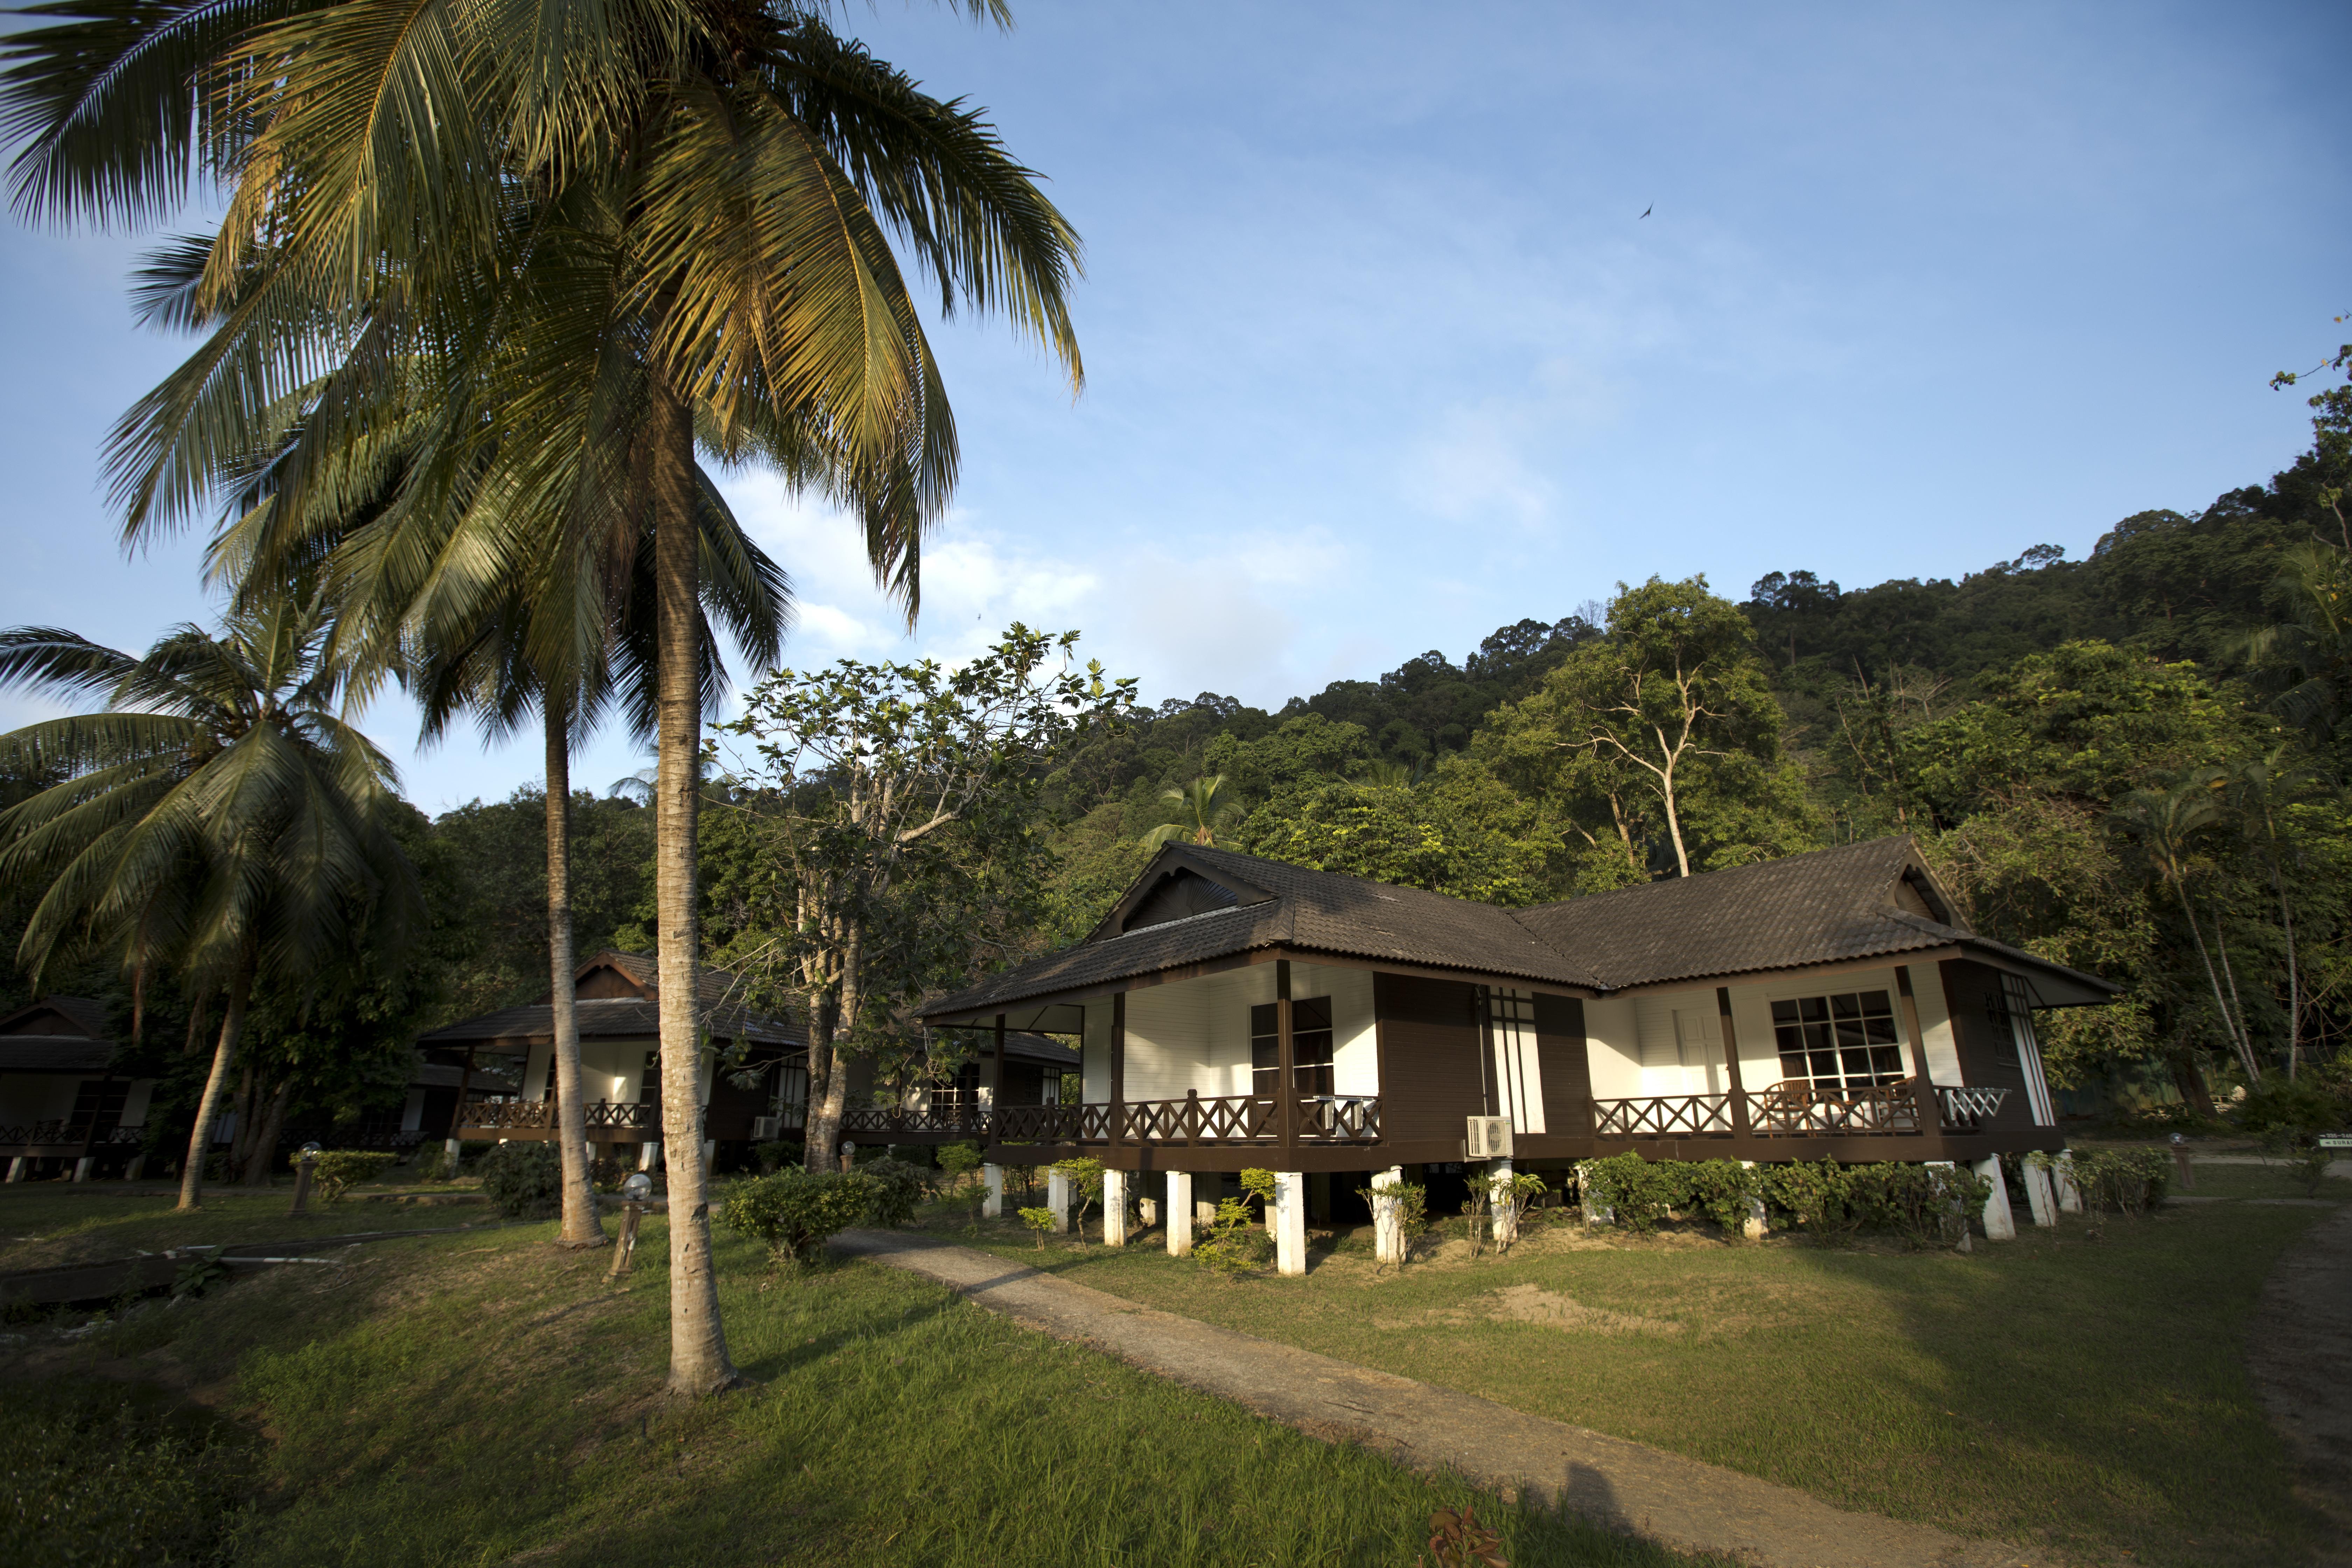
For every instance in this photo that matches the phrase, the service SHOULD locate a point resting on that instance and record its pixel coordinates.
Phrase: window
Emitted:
(2004, 1029)
(1845, 1041)
(1310, 1047)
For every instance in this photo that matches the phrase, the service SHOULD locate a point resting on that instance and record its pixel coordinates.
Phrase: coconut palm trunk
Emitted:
(699, 1364)
(191, 1174)
(581, 1226)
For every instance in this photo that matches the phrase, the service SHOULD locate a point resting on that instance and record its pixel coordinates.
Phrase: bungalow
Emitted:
(61, 1099)
(1233, 1012)
(760, 1094)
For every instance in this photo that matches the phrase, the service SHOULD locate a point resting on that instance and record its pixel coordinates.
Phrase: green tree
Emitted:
(218, 816)
(1673, 703)
(893, 808)
(614, 234)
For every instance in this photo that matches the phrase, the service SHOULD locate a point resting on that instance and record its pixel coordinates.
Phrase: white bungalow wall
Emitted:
(1751, 1016)
(1613, 1048)
(1193, 1035)
(611, 1070)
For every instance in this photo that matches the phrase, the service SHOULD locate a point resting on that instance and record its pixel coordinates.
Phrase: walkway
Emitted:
(2300, 1352)
(1681, 1502)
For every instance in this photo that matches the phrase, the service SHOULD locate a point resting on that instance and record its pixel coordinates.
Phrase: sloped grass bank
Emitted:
(2085, 1397)
(45, 1224)
(475, 1399)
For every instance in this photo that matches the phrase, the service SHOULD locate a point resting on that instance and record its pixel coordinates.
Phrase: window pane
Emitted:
(1815, 1006)
(1846, 1006)
(1784, 1011)
(1312, 1013)
(1264, 1021)
(1876, 1002)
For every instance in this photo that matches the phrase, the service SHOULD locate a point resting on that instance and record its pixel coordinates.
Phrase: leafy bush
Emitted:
(796, 1212)
(897, 1190)
(1724, 1189)
(2127, 1182)
(1819, 1197)
(1039, 1222)
(606, 1174)
(776, 1155)
(1925, 1205)
(1639, 1191)
(1237, 1242)
(1086, 1179)
(340, 1170)
(961, 1164)
(524, 1179)
(2300, 1108)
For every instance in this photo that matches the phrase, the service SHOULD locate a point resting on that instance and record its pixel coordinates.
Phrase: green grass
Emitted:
(2087, 1396)
(475, 1399)
(43, 1223)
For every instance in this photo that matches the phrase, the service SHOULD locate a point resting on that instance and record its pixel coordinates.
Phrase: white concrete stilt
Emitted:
(709, 1152)
(1503, 1221)
(138, 1164)
(2000, 1223)
(2062, 1176)
(1180, 1214)
(1114, 1205)
(649, 1157)
(1388, 1217)
(1753, 1227)
(1057, 1198)
(993, 1205)
(2039, 1196)
(16, 1169)
(1289, 1222)
(82, 1168)
(451, 1148)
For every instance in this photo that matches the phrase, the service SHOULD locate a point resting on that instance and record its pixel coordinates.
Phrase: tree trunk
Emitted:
(581, 1226)
(2189, 1079)
(191, 1174)
(2293, 984)
(270, 1127)
(2229, 1025)
(2245, 1034)
(699, 1364)
(1673, 822)
(820, 1118)
(824, 1127)
(240, 1106)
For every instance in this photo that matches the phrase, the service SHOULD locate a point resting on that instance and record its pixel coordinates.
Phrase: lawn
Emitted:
(47, 1222)
(482, 1398)
(2061, 1393)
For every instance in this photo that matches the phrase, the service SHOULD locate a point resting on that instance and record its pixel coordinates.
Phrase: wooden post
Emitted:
(630, 1214)
(305, 1164)
(1739, 1127)
(1118, 1066)
(1931, 1111)
(995, 1084)
(90, 1133)
(1286, 1098)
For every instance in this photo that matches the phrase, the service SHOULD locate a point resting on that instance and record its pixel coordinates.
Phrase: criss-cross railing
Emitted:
(60, 1132)
(1967, 1109)
(507, 1115)
(954, 1117)
(1808, 1111)
(1195, 1118)
(1664, 1115)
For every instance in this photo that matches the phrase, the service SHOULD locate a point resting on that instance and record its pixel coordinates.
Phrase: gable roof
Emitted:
(1854, 901)
(623, 1018)
(62, 1016)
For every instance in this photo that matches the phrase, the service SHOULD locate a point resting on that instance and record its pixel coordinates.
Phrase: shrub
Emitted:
(777, 1154)
(1236, 1243)
(897, 1190)
(1926, 1205)
(1639, 1191)
(524, 1179)
(1039, 1222)
(340, 1170)
(1413, 1207)
(796, 1212)
(1819, 1197)
(2127, 1182)
(1085, 1176)
(962, 1162)
(1724, 1189)
(606, 1174)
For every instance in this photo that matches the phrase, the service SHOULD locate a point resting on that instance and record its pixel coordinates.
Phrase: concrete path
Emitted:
(2300, 1352)
(1627, 1486)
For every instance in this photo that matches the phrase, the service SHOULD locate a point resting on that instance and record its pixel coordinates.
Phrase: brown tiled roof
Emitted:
(1819, 907)
(54, 1053)
(623, 1018)
(85, 1015)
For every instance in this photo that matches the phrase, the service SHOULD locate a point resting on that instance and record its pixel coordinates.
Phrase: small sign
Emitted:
(2336, 1140)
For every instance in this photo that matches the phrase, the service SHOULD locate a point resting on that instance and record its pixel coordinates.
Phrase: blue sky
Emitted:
(1382, 355)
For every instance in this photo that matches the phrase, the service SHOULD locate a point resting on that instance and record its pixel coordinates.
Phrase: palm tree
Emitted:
(491, 675)
(1199, 800)
(622, 231)
(217, 815)
(2168, 823)
(2262, 791)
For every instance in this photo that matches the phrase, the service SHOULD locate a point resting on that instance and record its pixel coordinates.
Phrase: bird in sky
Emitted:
(1647, 211)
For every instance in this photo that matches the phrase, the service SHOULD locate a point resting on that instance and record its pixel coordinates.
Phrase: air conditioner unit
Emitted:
(1489, 1138)
(767, 1128)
